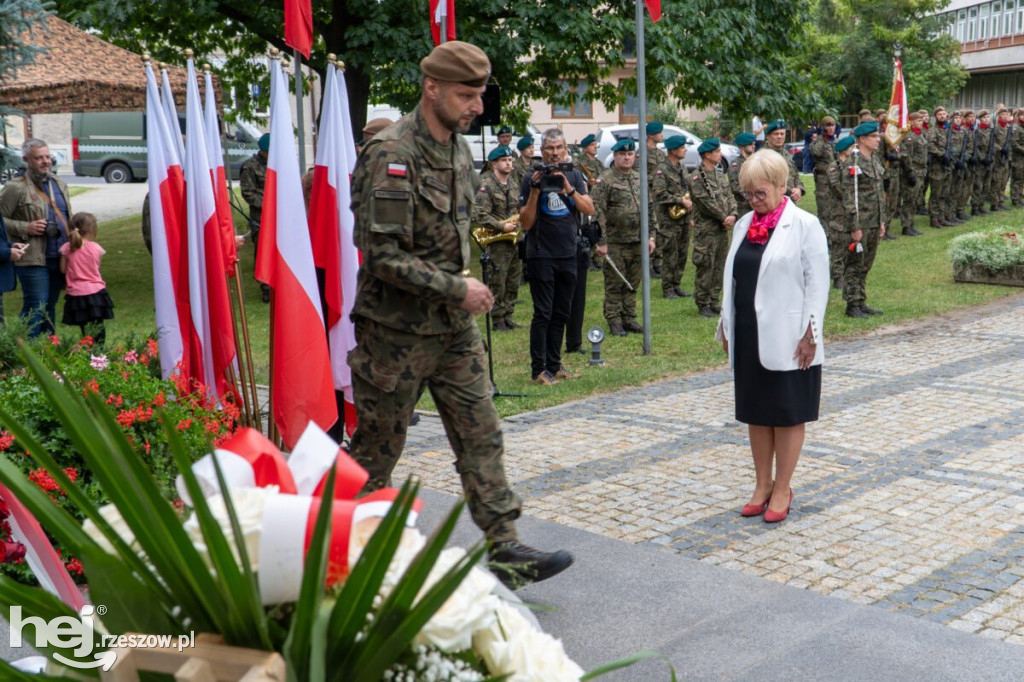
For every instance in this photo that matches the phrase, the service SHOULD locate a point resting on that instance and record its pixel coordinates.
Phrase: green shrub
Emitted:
(994, 250)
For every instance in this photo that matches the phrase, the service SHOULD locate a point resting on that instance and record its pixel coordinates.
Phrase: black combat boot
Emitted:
(706, 311)
(855, 311)
(864, 307)
(616, 330)
(517, 565)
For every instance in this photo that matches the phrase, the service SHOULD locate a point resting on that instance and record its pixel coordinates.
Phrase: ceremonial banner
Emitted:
(654, 7)
(220, 182)
(298, 25)
(442, 13)
(897, 125)
(302, 388)
(171, 114)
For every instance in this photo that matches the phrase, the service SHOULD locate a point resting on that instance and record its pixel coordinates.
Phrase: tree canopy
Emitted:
(16, 18)
(741, 55)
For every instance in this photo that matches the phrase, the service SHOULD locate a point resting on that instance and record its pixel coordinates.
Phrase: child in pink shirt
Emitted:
(87, 303)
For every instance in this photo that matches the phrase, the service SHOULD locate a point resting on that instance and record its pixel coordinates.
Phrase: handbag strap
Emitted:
(49, 199)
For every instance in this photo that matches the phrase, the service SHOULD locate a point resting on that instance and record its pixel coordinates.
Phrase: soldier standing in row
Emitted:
(592, 168)
(965, 167)
(833, 212)
(823, 152)
(746, 143)
(496, 204)
(414, 313)
(655, 157)
(1001, 141)
(915, 153)
(1017, 160)
(863, 201)
(617, 203)
(984, 161)
(940, 168)
(252, 178)
(714, 214)
(775, 139)
(892, 162)
(671, 193)
(523, 165)
(955, 149)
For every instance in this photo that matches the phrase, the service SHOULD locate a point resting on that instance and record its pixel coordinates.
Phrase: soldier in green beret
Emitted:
(671, 194)
(617, 203)
(497, 202)
(412, 195)
(775, 139)
(747, 145)
(592, 168)
(864, 208)
(714, 214)
(655, 157)
(523, 165)
(832, 212)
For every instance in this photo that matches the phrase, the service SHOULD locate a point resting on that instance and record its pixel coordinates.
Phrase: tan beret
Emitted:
(376, 125)
(917, 114)
(827, 120)
(938, 109)
(882, 112)
(457, 62)
(1001, 110)
(865, 112)
(968, 112)
(923, 112)
(983, 113)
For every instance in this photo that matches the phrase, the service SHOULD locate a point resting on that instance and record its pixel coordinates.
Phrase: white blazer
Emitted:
(792, 289)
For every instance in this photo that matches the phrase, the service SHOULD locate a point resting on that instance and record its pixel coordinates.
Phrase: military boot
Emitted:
(706, 311)
(633, 326)
(855, 311)
(670, 293)
(869, 310)
(616, 329)
(517, 565)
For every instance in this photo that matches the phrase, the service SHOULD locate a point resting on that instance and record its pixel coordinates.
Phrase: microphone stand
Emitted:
(485, 265)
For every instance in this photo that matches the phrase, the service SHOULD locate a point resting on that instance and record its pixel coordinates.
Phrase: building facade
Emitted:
(991, 37)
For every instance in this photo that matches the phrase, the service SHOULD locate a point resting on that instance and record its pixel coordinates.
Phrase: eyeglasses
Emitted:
(760, 195)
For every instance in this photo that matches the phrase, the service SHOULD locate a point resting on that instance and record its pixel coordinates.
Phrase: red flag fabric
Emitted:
(298, 25)
(300, 365)
(897, 120)
(654, 7)
(442, 12)
(220, 182)
(212, 343)
(331, 226)
(167, 218)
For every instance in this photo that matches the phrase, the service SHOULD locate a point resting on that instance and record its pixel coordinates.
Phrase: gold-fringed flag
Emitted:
(897, 125)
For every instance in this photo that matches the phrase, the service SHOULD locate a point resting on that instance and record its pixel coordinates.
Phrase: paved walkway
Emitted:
(909, 500)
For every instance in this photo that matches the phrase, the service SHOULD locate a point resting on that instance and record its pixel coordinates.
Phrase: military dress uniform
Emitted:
(495, 203)
(673, 239)
(413, 199)
(915, 153)
(1017, 164)
(712, 204)
(617, 205)
(1002, 142)
(863, 210)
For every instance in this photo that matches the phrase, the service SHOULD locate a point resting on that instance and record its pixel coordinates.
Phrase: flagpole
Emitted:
(299, 97)
(645, 255)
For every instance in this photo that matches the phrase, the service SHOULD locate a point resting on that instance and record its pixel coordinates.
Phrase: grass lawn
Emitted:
(75, 191)
(911, 279)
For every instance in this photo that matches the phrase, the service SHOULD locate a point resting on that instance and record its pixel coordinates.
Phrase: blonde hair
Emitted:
(83, 226)
(765, 165)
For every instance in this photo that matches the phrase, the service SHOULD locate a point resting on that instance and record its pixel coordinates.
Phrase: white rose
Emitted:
(470, 608)
(112, 516)
(408, 547)
(248, 504)
(512, 646)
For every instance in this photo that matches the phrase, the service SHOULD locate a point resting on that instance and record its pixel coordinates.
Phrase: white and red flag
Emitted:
(442, 13)
(897, 124)
(331, 226)
(654, 8)
(302, 388)
(171, 114)
(298, 25)
(167, 218)
(212, 345)
(220, 182)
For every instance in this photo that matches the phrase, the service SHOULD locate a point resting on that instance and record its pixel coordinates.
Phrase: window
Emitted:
(961, 25)
(1020, 18)
(997, 15)
(580, 106)
(1008, 18)
(629, 112)
(983, 16)
(972, 21)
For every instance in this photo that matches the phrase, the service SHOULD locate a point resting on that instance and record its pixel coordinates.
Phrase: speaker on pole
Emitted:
(492, 106)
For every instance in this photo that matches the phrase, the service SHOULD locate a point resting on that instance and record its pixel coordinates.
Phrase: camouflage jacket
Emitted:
(831, 213)
(915, 147)
(520, 169)
(413, 199)
(742, 205)
(794, 172)
(655, 157)
(252, 177)
(1017, 144)
(495, 203)
(712, 198)
(823, 151)
(1000, 137)
(591, 169)
(956, 143)
(867, 211)
(670, 186)
(937, 140)
(617, 204)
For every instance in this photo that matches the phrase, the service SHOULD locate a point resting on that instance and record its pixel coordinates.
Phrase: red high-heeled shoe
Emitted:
(773, 516)
(754, 509)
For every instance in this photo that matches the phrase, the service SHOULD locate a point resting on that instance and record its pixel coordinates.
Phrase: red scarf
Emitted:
(1002, 123)
(757, 233)
(983, 126)
(917, 131)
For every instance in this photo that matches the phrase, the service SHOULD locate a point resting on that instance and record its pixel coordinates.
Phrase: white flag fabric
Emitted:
(171, 114)
(219, 176)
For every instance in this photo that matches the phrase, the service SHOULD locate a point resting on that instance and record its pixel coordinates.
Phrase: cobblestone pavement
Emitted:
(909, 495)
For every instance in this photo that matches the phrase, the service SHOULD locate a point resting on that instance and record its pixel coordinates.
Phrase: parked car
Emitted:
(112, 145)
(607, 137)
(483, 144)
(796, 150)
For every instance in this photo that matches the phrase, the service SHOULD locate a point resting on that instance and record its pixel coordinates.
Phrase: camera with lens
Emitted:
(548, 181)
(51, 229)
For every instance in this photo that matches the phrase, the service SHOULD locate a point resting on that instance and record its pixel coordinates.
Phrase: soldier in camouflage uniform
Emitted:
(775, 139)
(915, 151)
(1002, 141)
(497, 200)
(824, 154)
(252, 178)
(984, 158)
(412, 196)
(832, 212)
(592, 168)
(617, 203)
(940, 168)
(955, 148)
(747, 145)
(714, 214)
(524, 164)
(965, 167)
(1017, 161)
(671, 189)
(655, 157)
(864, 210)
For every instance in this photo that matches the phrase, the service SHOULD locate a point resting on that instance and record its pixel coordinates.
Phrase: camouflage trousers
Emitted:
(390, 370)
(857, 266)
(710, 247)
(964, 190)
(506, 271)
(673, 244)
(1017, 181)
(982, 186)
(892, 201)
(838, 241)
(910, 200)
(619, 301)
(938, 200)
(1000, 176)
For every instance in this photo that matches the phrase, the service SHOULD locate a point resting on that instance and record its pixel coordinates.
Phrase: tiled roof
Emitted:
(77, 71)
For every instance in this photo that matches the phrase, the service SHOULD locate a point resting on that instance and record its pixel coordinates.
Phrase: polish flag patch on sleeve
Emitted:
(397, 170)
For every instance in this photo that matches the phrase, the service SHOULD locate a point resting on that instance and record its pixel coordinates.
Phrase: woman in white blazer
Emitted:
(773, 308)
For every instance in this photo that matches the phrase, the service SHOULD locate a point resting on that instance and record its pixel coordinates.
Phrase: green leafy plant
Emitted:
(994, 250)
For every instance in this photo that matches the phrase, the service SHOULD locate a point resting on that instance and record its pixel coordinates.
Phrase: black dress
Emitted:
(765, 397)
